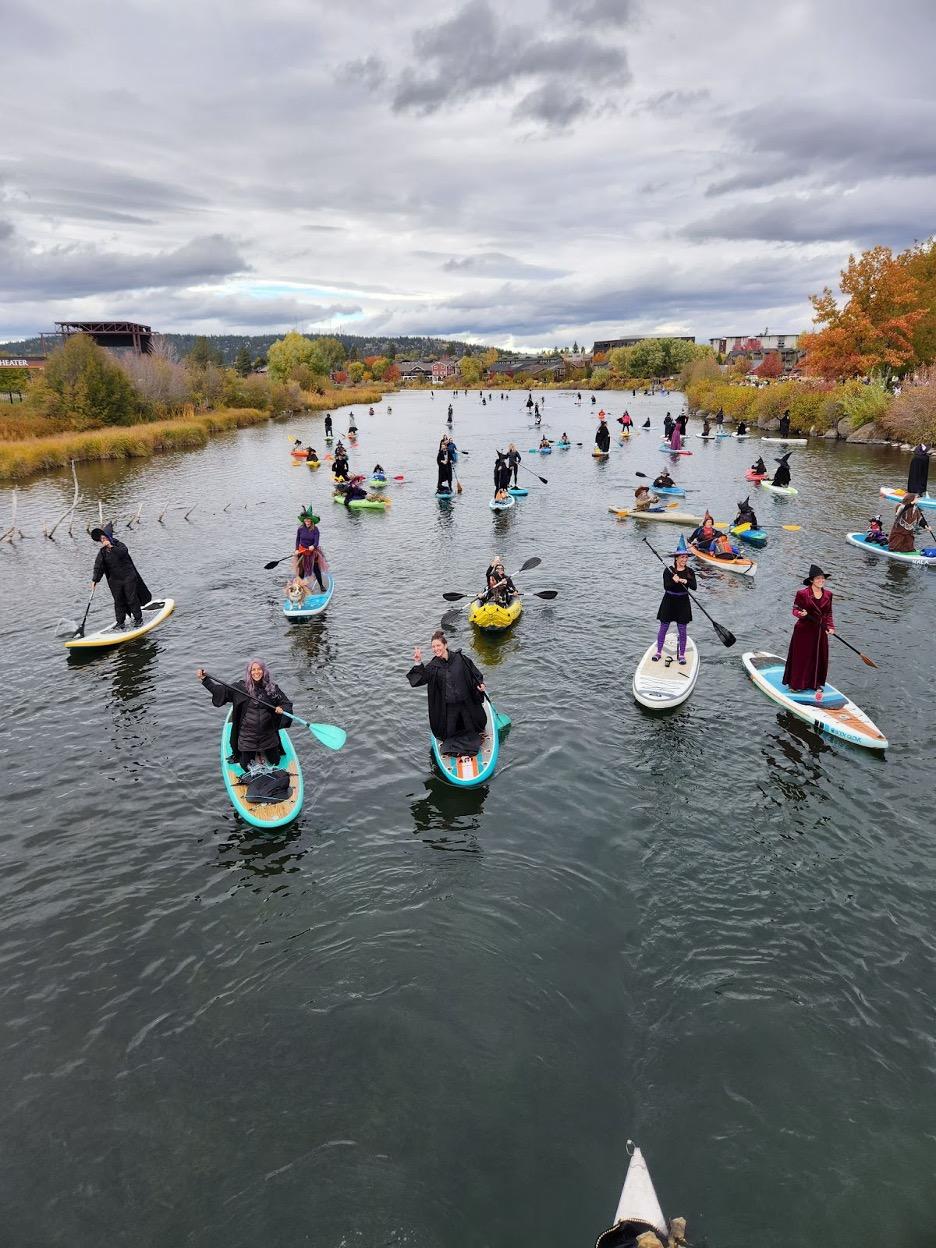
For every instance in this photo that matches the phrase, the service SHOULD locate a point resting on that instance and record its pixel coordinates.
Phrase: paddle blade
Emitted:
(864, 658)
(68, 628)
(399, 478)
(458, 487)
(546, 593)
(274, 563)
(453, 597)
(329, 735)
(791, 528)
(725, 636)
(530, 563)
(544, 480)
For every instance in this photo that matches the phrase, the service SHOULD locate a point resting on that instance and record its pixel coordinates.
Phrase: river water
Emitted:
(424, 1017)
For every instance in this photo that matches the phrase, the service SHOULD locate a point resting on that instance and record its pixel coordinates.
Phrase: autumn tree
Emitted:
(469, 366)
(661, 357)
(293, 358)
(874, 329)
(920, 262)
(619, 360)
(490, 357)
(85, 385)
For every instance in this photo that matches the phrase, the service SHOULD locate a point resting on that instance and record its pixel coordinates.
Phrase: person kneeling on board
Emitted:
(760, 468)
(664, 481)
(675, 607)
(500, 588)
(746, 515)
(255, 739)
(875, 535)
(782, 475)
(456, 696)
(123, 580)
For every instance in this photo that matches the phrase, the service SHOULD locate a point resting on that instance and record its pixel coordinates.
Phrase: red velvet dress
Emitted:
(807, 664)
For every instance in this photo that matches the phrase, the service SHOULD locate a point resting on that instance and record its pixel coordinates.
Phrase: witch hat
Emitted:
(814, 571)
(681, 547)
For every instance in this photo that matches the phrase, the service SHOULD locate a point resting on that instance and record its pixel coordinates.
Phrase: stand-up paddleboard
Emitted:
(444, 495)
(740, 437)
(743, 567)
(497, 504)
(600, 454)
(835, 714)
(925, 501)
(467, 770)
(153, 615)
(668, 450)
(663, 684)
(909, 556)
(262, 814)
(314, 604)
(787, 490)
(787, 441)
(638, 1208)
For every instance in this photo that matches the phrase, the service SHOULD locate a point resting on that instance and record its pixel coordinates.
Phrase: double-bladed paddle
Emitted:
(330, 735)
(535, 593)
(725, 636)
(524, 567)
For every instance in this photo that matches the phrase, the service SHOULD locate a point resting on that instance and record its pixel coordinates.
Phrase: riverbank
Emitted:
(24, 457)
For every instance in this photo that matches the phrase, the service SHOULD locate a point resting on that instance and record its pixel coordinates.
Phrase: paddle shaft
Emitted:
(84, 618)
(864, 658)
(242, 694)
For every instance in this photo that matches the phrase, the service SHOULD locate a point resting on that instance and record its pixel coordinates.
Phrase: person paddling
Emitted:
(741, 431)
(784, 429)
(311, 455)
(746, 515)
(255, 729)
(675, 606)
(664, 481)
(499, 587)
(676, 437)
(352, 426)
(807, 663)
(705, 534)
(309, 558)
(444, 465)
(782, 476)
(706, 428)
(340, 465)
(603, 437)
(328, 425)
(626, 422)
(456, 697)
(501, 476)
(643, 499)
(354, 491)
(127, 587)
(668, 423)
(759, 468)
(902, 537)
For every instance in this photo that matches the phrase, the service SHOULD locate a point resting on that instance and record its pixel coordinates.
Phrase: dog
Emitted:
(296, 592)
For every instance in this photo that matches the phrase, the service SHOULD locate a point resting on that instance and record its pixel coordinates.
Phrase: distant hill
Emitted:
(356, 345)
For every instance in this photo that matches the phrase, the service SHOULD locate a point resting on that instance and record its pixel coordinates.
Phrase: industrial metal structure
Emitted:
(115, 335)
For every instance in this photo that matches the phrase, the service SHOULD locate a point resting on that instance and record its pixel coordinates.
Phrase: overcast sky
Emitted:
(522, 174)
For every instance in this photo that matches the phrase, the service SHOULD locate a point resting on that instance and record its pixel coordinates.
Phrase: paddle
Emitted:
(535, 593)
(68, 626)
(789, 528)
(725, 636)
(534, 474)
(329, 734)
(501, 722)
(273, 562)
(528, 566)
(864, 658)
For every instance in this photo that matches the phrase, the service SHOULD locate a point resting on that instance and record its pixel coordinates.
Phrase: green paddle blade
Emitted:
(329, 735)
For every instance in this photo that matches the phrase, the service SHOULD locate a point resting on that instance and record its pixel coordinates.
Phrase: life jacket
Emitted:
(722, 546)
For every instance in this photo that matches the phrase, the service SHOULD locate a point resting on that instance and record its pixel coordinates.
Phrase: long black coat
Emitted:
(236, 692)
(115, 565)
(603, 437)
(918, 477)
(676, 605)
(433, 675)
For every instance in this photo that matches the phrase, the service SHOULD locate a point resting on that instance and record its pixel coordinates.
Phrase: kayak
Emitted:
(664, 684)
(298, 454)
(363, 504)
(753, 537)
(545, 450)
(743, 567)
(314, 604)
(600, 454)
(444, 495)
(835, 714)
(787, 490)
(153, 615)
(377, 483)
(262, 814)
(517, 491)
(660, 514)
(916, 556)
(497, 505)
(788, 441)
(563, 446)
(676, 490)
(664, 446)
(313, 463)
(491, 618)
(926, 502)
(638, 1208)
(468, 770)
(751, 475)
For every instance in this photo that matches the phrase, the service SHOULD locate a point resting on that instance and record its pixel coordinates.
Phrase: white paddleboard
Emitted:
(665, 684)
(154, 613)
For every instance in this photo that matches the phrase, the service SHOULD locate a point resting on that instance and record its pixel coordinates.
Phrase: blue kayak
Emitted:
(262, 815)
(518, 491)
(315, 604)
(754, 537)
(675, 490)
(467, 771)
(563, 446)
(545, 450)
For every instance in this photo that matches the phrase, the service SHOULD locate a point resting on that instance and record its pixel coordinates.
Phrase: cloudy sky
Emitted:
(523, 174)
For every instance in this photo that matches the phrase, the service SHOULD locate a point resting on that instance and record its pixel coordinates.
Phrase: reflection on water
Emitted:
(261, 855)
(448, 818)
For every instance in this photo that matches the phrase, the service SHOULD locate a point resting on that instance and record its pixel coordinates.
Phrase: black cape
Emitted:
(446, 716)
(115, 565)
(603, 438)
(918, 477)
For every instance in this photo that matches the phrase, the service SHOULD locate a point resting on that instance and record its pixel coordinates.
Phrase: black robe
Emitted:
(782, 475)
(236, 692)
(918, 477)
(458, 725)
(603, 437)
(675, 605)
(502, 474)
(444, 479)
(123, 580)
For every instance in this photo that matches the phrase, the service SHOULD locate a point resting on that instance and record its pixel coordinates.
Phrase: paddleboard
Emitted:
(363, 504)
(378, 483)
(915, 557)
(261, 814)
(925, 502)
(787, 490)
(314, 604)
(467, 771)
(668, 450)
(501, 505)
(743, 567)
(665, 684)
(444, 495)
(154, 613)
(740, 437)
(491, 618)
(600, 454)
(637, 1210)
(563, 446)
(517, 491)
(713, 437)
(835, 715)
(787, 441)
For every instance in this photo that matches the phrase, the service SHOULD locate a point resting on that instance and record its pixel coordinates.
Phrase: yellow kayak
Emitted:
(313, 463)
(491, 618)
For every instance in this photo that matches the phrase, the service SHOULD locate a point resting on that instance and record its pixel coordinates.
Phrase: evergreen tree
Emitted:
(242, 364)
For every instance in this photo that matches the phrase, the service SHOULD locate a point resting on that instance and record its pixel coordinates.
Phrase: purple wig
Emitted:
(266, 680)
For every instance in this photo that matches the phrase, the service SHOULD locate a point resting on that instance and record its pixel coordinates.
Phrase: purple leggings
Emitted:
(681, 634)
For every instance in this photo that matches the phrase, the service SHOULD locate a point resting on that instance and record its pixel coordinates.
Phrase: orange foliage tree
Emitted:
(874, 329)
